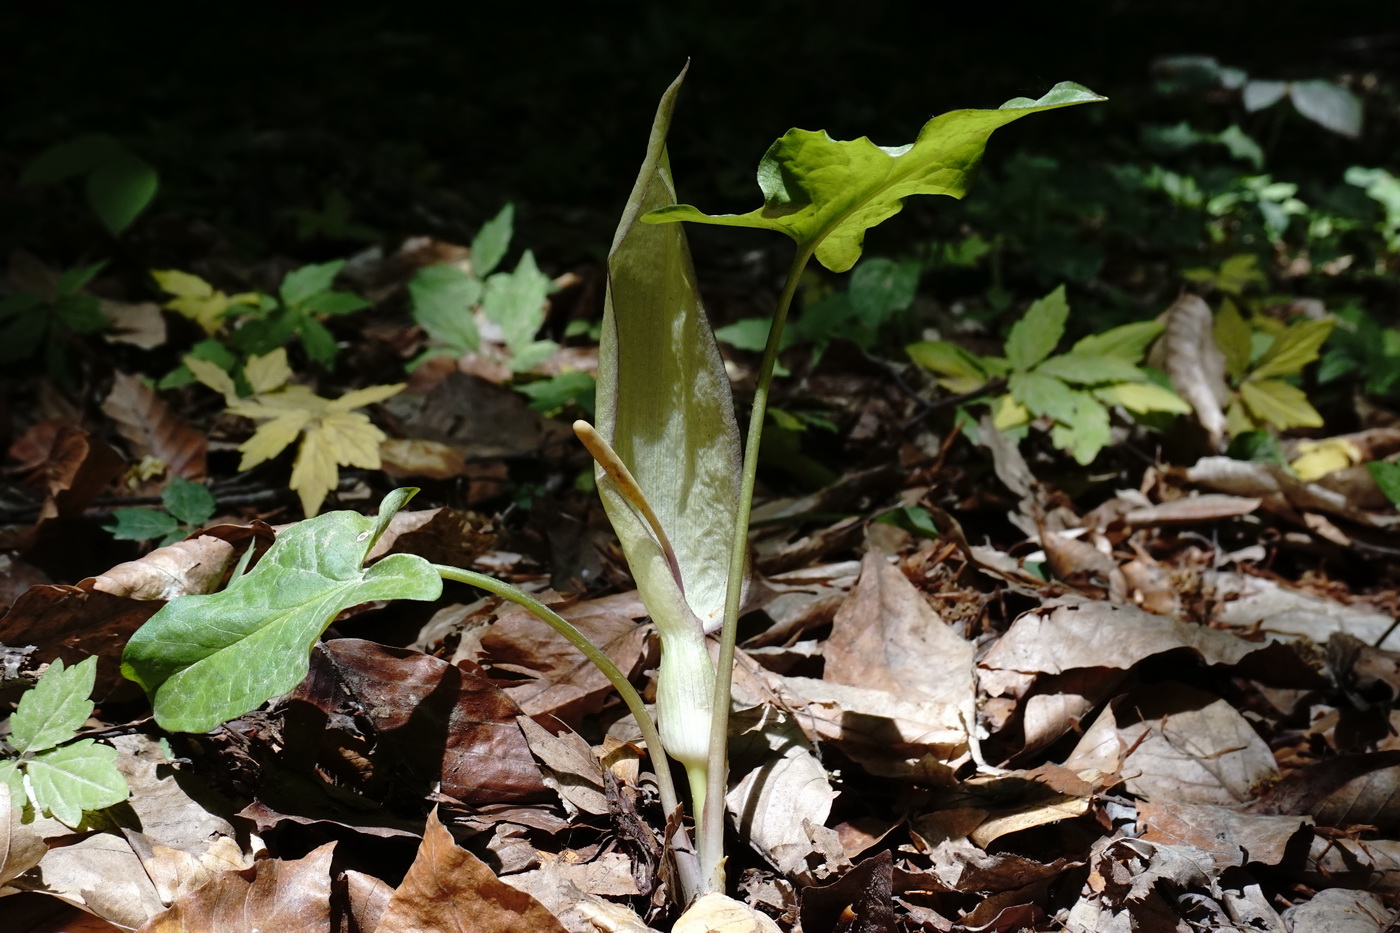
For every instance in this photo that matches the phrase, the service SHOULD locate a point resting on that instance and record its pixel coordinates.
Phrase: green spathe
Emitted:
(825, 193)
(206, 659)
(663, 400)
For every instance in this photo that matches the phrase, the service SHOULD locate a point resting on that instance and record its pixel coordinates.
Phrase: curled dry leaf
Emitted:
(194, 566)
(153, 429)
(1347, 791)
(1188, 352)
(865, 892)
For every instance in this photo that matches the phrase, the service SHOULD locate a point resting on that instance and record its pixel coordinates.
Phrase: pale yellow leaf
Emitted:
(366, 396)
(315, 473)
(352, 437)
(271, 438)
(181, 284)
(1280, 404)
(1318, 458)
(1011, 414)
(213, 376)
(267, 372)
(275, 404)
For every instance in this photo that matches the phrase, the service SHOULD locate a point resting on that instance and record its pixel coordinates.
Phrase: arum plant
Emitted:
(675, 479)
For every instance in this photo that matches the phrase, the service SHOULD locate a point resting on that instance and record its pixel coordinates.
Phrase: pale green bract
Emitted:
(825, 193)
(205, 659)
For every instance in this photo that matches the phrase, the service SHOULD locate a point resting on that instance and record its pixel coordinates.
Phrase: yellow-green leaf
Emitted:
(1279, 404)
(1232, 336)
(194, 298)
(366, 396)
(1010, 414)
(961, 371)
(1128, 342)
(271, 438)
(213, 376)
(1293, 349)
(1143, 397)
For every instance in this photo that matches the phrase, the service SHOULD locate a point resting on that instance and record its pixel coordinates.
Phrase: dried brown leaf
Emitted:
(1347, 791)
(886, 636)
(569, 766)
(564, 683)
(864, 892)
(153, 429)
(438, 721)
(717, 913)
(1231, 837)
(272, 895)
(1177, 743)
(785, 791)
(183, 568)
(21, 846)
(366, 898)
(449, 889)
(1340, 911)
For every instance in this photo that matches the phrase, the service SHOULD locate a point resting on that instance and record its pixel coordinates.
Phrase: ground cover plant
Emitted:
(1081, 620)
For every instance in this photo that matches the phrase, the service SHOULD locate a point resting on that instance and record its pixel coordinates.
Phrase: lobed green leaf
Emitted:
(73, 779)
(55, 708)
(1038, 332)
(826, 193)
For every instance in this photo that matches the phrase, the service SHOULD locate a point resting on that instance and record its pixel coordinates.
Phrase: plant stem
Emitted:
(710, 823)
(660, 763)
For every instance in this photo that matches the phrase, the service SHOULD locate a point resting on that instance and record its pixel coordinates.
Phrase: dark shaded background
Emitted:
(427, 120)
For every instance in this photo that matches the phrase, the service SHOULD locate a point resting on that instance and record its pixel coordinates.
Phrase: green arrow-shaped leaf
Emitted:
(206, 659)
(825, 193)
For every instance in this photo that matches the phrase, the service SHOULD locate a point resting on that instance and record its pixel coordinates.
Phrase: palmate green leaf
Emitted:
(1293, 349)
(516, 302)
(1044, 395)
(55, 708)
(1087, 434)
(491, 242)
(1128, 342)
(825, 193)
(141, 524)
(1090, 370)
(75, 778)
(191, 503)
(663, 396)
(1280, 404)
(961, 370)
(444, 298)
(206, 659)
(1038, 332)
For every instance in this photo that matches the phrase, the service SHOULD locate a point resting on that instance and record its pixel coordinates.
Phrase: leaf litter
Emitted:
(1045, 715)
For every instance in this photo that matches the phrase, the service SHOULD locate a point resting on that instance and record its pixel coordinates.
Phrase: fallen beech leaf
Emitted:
(449, 889)
(76, 467)
(1231, 837)
(367, 899)
(21, 846)
(1195, 364)
(1177, 743)
(563, 682)
(101, 874)
(887, 637)
(716, 913)
(1192, 510)
(1069, 634)
(73, 623)
(569, 766)
(1251, 601)
(577, 910)
(272, 895)
(152, 429)
(139, 324)
(1347, 791)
